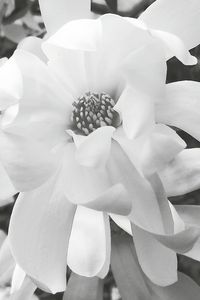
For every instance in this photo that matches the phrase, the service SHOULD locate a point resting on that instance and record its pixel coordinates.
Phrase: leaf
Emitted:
(126, 271)
(83, 288)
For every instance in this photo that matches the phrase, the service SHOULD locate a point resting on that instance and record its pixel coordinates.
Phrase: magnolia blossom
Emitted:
(88, 140)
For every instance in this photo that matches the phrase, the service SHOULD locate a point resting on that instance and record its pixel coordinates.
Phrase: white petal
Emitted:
(158, 262)
(136, 110)
(147, 73)
(87, 251)
(180, 17)
(39, 230)
(174, 46)
(94, 149)
(45, 108)
(146, 211)
(57, 14)
(28, 163)
(76, 35)
(182, 174)
(33, 44)
(181, 107)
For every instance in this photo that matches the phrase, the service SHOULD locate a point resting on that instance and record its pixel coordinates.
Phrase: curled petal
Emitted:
(34, 45)
(92, 188)
(56, 15)
(39, 230)
(191, 216)
(158, 262)
(154, 154)
(88, 247)
(174, 46)
(181, 107)
(182, 174)
(146, 211)
(76, 35)
(179, 17)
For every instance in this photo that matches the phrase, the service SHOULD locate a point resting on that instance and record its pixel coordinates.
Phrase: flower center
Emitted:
(92, 111)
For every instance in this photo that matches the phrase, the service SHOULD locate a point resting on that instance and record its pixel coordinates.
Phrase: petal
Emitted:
(6, 187)
(179, 17)
(181, 107)
(94, 149)
(29, 163)
(33, 44)
(181, 175)
(158, 262)
(76, 35)
(136, 110)
(39, 231)
(146, 73)
(55, 15)
(174, 46)
(87, 251)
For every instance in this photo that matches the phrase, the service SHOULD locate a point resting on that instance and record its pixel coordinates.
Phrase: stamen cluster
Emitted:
(92, 111)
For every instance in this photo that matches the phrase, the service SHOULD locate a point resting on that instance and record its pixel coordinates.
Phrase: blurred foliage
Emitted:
(21, 18)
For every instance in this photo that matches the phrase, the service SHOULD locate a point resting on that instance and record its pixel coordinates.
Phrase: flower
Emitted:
(72, 171)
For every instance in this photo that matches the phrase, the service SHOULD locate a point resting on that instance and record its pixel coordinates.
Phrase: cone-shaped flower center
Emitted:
(92, 111)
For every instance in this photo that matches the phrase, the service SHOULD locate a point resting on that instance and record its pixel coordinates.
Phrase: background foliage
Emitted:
(21, 18)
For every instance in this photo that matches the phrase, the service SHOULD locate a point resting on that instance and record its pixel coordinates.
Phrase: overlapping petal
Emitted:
(179, 17)
(92, 187)
(44, 107)
(181, 175)
(93, 150)
(158, 262)
(180, 107)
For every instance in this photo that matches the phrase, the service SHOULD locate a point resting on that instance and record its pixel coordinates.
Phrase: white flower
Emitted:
(72, 177)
